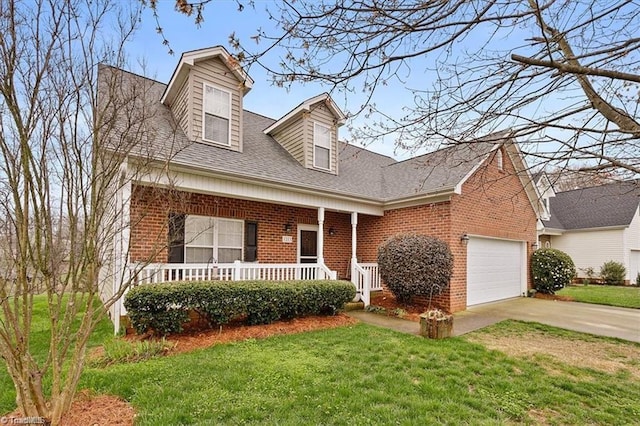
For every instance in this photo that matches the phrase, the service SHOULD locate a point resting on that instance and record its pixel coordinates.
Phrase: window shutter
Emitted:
(176, 237)
(250, 241)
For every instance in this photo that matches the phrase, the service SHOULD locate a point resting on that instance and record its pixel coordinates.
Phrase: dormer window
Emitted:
(217, 115)
(321, 146)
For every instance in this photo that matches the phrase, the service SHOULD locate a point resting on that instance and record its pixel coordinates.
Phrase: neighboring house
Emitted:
(594, 225)
(229, 185)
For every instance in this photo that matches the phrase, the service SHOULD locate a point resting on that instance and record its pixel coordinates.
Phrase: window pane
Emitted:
(227, 255)
(198, 231)
(221, 107)
(199, 255)
(216, 102)
(229, 233)
(216, 129)
(321, 157)
(322, 136)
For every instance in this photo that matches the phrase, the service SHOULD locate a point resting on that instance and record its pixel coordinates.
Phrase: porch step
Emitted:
(354, 306)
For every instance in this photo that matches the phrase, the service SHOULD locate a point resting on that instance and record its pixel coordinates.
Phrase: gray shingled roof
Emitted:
(595, 207)
(362, 173)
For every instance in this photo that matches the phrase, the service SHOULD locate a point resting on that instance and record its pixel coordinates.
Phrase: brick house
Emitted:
(227, 193)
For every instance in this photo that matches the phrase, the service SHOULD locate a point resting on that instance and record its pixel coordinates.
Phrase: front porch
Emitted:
(365, 276)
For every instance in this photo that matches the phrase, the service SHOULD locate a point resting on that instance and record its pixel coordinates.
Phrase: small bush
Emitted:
(376, 309)
(552, 270)
(415, 265)
(589, 274)
(613, 273)
(119, 351)
(164, 308)
(638, 280)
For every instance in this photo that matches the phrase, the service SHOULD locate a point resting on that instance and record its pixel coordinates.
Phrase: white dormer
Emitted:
(545, 188)
(205, 95)
(310, 133)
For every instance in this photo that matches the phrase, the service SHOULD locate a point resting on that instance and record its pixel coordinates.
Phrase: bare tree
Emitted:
(563, 75)
(566, 179)
(68, 134)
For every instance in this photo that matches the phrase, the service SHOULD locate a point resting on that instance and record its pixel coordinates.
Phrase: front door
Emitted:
(307, 250)
(308, 246)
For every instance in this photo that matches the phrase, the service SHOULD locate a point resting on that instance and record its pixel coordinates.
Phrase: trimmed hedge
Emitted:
(164, 308)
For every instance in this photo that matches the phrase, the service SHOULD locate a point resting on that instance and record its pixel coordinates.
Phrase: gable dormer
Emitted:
(310, 133)
(545, 188)
(205, 95)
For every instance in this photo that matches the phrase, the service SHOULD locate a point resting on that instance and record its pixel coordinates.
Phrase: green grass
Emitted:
(626, 297)
(367, 375)
(40, 340)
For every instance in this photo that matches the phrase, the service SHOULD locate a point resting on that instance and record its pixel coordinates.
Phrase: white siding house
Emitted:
(595, 225)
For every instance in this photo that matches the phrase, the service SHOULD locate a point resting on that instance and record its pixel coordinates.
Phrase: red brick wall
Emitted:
(430, 219)
(150, 210)
(493, 203)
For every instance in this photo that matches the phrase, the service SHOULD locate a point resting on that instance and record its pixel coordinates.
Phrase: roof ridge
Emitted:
(102, 64)
(619, 182)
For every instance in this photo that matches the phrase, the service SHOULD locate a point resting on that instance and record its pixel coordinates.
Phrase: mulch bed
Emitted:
(554, 297)
(387, 300)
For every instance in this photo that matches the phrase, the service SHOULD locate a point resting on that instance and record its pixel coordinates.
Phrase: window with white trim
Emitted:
(212, 240)
(216, 111)
(321, 146)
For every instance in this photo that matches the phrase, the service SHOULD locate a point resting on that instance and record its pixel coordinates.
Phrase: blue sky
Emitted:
(148, 56)
(222, 18)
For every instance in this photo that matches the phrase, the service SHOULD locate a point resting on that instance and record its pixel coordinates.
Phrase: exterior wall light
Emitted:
(332, 232)
(288, 227)
(464, 239)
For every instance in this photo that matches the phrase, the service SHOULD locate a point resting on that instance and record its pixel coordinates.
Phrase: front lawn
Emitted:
(39, 342)
(625, 297)
(367, 375)
(507, 373)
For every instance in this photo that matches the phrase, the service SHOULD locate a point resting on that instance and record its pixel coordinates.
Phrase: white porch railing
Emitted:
(237, 271)
(362, 280)
(374, 273)
(167, 272)
(366, 278)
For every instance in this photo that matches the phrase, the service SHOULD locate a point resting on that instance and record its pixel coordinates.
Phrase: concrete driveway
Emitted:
(623, 323)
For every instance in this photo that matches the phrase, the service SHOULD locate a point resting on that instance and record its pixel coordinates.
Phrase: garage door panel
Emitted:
(494, 270)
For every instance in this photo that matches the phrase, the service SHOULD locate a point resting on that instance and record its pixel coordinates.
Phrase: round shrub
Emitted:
(415, 265)
(552, 270)
(613, 273)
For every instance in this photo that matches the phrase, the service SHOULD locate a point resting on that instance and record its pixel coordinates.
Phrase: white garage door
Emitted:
(494, 270)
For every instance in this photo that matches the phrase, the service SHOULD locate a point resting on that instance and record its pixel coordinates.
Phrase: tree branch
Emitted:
(576, 69)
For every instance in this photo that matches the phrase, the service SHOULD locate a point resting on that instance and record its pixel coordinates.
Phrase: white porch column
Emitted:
(121, 273)
(321, 235)
(354, 237)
